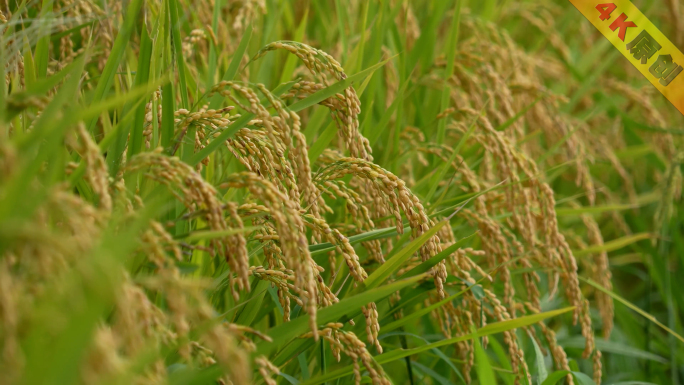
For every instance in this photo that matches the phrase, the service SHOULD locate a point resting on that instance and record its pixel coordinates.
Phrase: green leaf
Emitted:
(213, 59)
(336, 88)
(393, 264)
(633, 307)
(371, 235)
(613, 347)
(581, 378)
(200, 235)
(115, 153)
(44, 140)
(452, 41)
(356, 58)
(493, 328)
(464, 199)
(555, 377)
(29, 64)
(39, 87)
(322, 142)
(448, 164)
(133, 96)
(569, 212)
(433, 375)
(4, 129)
(557, 145)
(178, 51)
(483, 367)
(116, 55)
(234, 65)
(373, 134)
(167, 123)
(539, 363)
(142, 76)
(415, 315)
(590, 81)
(633, 383)
(437, 352)
(257, 293)
(289, 378)
(97, 108)
(43, 46)
(304, 103)
(348, 306)
(613, 245)
(194, 376)
(430, 263)
(221, 139)
(645, 127)
(291, 62)
(517, 116)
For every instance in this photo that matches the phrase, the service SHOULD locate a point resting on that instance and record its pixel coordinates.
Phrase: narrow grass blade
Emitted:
(443, 170)
(167, 123)
(430, 263)
(633, 307)
(37, 146)
(614, 347)
(76, 176)
(557, 145)
(136, 132)
(43, 46)
(431, 373)
(218, 141)
(114, 155)
(116, 55)
(289, 378)
(298, 106)
(322, 142)
(291, 62)
(613, 245)
(393, 264)
(336, 88)
(569, 212)
(483, 367)
(417, 314)
(539, 363)
(517, 116)
(234, 65)
(436, 351)
(287, 331)
(374, 133)
(452, 41)
(178, 51)
(37, 88)
(202, 235)
(581, 378)
(490, 329)
(363, 237)
(213, 47)
(257, 293)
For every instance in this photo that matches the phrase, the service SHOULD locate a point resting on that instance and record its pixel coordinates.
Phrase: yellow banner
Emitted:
(641, 42)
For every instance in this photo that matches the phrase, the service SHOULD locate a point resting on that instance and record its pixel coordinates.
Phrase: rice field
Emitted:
(335, 192)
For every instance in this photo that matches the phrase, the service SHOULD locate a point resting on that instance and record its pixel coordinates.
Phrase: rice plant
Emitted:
(333, 192)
